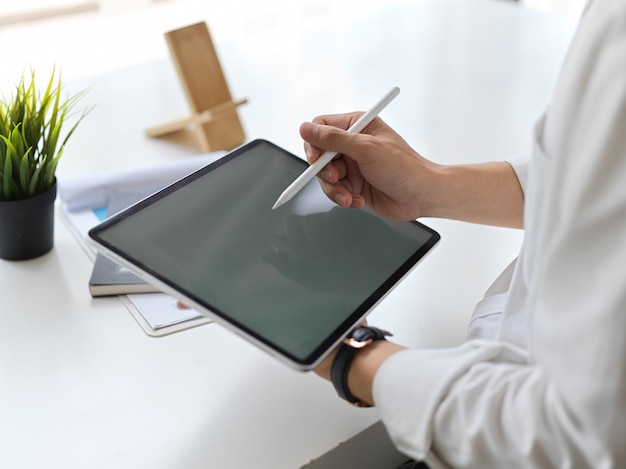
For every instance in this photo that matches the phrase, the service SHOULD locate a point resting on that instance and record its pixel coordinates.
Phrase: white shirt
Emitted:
(541, 380)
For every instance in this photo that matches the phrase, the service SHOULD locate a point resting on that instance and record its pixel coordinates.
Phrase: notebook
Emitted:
(108, 277)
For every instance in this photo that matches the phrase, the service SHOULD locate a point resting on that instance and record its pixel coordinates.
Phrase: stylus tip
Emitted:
(281, 200)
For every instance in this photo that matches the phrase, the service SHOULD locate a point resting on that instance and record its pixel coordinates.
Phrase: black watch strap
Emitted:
(359, 338)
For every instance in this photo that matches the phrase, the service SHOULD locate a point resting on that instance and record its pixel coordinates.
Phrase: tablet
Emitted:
(294, 281)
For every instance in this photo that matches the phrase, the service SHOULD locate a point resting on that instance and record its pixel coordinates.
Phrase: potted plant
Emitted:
(30, 149)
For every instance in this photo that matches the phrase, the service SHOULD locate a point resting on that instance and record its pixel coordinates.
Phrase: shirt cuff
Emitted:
(520, 166)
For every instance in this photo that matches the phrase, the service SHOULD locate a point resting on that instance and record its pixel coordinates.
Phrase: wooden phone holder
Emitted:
(213, 123)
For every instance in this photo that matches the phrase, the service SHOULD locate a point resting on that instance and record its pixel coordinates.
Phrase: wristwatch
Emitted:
(359, 338)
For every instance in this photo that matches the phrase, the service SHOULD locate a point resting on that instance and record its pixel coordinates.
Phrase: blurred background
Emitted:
(87, 37)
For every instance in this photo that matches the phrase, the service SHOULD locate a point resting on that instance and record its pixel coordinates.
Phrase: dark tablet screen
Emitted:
(294, 279)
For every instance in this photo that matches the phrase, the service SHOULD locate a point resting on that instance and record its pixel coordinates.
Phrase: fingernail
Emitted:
(341, 199)
(326, 175)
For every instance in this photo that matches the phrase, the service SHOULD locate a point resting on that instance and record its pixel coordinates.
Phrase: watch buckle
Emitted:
(352, 342)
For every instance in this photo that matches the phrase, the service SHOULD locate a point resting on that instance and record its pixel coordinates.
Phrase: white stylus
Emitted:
(323, 160)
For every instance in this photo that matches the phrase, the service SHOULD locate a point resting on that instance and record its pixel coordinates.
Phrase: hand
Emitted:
(323, 369)
(376, 168)
(379, 169)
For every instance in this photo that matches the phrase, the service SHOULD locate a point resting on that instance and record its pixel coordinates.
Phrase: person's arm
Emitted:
(363, 368)
(485, 193)
(488, 404)
(379, 169)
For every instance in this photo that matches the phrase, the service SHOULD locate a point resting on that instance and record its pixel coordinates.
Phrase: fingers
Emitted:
(341, 194)
(325, 133)
(341, 179)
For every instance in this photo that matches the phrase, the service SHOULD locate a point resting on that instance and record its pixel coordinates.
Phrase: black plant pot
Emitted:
(27, 226)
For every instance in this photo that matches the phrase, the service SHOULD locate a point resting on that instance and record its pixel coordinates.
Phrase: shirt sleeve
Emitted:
(520, 166)
(488, 404)
(410, 387)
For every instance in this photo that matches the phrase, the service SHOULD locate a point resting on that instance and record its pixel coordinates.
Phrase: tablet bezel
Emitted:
(169, 287)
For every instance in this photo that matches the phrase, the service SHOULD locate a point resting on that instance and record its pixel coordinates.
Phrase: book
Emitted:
(109, 278)
(85, 201)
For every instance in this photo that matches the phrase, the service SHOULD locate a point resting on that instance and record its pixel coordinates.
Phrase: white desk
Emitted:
(81, 386)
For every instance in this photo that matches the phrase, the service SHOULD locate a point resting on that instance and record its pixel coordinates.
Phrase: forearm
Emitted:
(487, 193)
(365, 365)
(363, 368)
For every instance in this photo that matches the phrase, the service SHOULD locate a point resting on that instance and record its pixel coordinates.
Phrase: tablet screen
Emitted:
(294, 280)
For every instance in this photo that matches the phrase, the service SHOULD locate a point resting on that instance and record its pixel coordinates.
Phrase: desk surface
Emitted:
(83, 386)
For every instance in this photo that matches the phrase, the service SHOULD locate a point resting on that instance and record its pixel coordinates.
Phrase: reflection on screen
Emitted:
(289, 276)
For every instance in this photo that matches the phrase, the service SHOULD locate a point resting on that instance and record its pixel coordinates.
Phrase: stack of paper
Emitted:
(84, 202)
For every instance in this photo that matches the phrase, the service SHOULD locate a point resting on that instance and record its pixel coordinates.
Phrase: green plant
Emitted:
(30, 129)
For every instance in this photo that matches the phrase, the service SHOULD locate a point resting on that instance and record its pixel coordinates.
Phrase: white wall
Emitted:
(569, 8)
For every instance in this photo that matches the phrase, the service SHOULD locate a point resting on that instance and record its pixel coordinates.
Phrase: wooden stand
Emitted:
(214, 122)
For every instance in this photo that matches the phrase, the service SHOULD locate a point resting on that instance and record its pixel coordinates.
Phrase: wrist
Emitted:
(431, 189)
(356, 362)
(365, 365)
(424, 187)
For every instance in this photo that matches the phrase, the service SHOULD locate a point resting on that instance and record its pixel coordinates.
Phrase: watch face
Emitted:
(365, 335)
